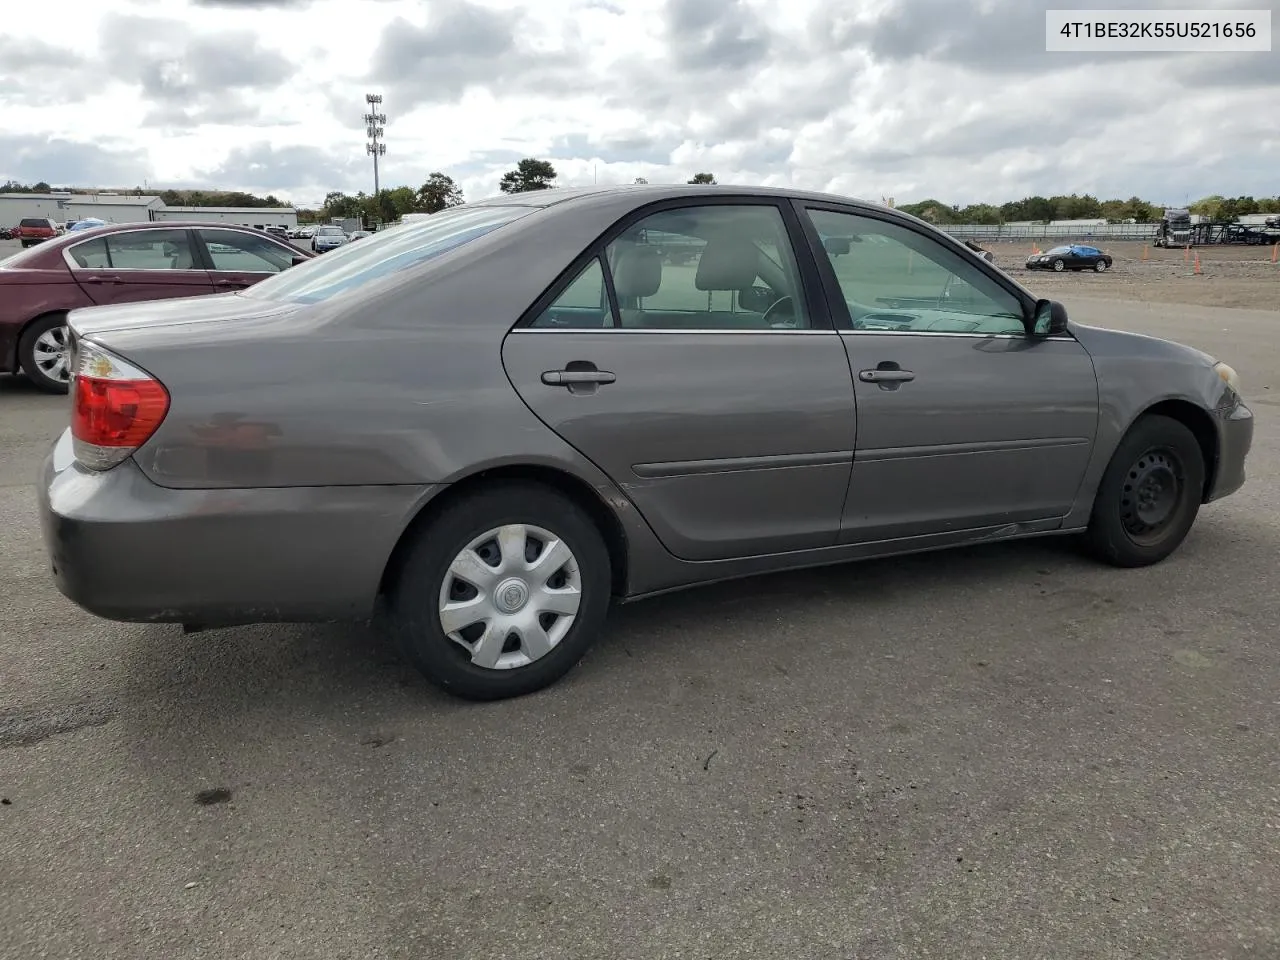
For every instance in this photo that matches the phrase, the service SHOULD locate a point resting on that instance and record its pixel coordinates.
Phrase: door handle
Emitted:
(229, 283)
(103, 280)
(885, 376)
(568, 378)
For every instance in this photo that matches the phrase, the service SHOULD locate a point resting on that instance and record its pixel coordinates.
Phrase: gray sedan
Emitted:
(500, 418)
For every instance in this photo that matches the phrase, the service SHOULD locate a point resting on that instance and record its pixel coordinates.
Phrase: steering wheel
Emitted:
(781, 303)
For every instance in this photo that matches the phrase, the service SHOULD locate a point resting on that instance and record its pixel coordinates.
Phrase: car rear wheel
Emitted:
(502, 593)
(1100, 266)
(1149, 495)
(1059, 266)
(44, 353)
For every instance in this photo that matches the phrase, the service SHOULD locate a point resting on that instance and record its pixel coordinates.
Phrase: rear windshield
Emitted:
(34, 222)
(383, 253)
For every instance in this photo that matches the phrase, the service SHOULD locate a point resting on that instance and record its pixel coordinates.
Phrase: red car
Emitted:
(33, 230)
(119, 263)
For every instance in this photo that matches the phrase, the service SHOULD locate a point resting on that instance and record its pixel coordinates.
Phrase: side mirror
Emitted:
(299, 258)
(836, 246)
(1050, 318)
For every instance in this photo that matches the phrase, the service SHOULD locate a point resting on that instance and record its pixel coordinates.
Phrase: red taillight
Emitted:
(115, 407)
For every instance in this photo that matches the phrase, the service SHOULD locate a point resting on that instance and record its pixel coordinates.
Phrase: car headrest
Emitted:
(638, 272)
(727, 263)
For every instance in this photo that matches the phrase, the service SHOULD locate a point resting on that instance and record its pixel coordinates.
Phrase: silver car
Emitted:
(327, 238)
(495, 421)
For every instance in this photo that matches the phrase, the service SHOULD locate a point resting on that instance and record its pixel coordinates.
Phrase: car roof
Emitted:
(651, 192)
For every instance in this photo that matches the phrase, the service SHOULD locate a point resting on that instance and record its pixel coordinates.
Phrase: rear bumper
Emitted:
(123, 548)
(1235, 438)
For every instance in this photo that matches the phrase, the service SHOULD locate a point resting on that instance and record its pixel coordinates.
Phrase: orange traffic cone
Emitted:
(1197, 261)
(1144, 251)
(1186, 254)
(1274, 249)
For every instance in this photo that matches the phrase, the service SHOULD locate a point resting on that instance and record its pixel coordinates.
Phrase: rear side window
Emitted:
(386, 252)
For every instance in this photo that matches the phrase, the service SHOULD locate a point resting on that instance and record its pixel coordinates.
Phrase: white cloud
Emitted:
(903, 98)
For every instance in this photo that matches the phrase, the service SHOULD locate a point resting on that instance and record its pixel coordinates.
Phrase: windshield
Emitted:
(385, 252)
(1058, 250)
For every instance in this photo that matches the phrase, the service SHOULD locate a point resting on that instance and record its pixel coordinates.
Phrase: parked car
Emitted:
(498, 419)
(119, 263)
(307, 232)
(1073, 256)
(327, 238)
(33, 230)
(278, 230)
(88, 223)
(7, 233)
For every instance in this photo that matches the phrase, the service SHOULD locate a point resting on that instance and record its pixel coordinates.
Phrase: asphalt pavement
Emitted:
(999, 752)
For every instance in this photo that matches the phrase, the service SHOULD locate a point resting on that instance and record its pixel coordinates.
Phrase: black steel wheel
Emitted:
(1150, 494)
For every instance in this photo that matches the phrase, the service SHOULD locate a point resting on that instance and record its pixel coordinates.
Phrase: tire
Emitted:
(1100, 266)
(1158, 448)
(33, 352)
(1058, 266)
(423, 583)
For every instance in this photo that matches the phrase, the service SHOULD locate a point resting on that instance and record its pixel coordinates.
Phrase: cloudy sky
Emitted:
(953, 99)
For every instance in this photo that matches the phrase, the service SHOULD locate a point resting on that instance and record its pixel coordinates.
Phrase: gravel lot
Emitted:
(1001, 752)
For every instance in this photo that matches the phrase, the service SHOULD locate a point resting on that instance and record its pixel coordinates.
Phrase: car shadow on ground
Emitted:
(296, 666)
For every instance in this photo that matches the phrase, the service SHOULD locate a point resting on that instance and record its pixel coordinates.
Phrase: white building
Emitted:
(61, 207)
(258, 217)
(111, 207)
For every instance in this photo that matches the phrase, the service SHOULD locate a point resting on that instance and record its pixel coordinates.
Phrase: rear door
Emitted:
(964, 421)
(688, 357)
(153, 264)
(237, 259)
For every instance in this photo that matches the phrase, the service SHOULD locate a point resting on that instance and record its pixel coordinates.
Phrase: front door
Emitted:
(150, 264)
(964, 421)
(238, 259)
(700, 377)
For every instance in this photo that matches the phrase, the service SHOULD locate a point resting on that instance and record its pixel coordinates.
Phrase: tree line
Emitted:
(1086, 207)
(440, 191)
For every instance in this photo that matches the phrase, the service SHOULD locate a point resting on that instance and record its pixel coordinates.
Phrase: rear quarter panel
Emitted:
(1136, 372)
(26, 295)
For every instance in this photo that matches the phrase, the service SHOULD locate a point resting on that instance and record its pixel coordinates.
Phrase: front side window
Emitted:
(897, 280)
(714, 267)
(136, 250)
(245, 253)
(389, 251)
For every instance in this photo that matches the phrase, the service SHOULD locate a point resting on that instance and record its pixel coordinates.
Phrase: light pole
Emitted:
(375, 148)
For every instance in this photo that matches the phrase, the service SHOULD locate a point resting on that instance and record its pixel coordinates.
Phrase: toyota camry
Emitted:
(494, 422)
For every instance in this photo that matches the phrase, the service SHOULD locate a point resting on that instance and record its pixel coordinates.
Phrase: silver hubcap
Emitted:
(510, 596)
(52, 357)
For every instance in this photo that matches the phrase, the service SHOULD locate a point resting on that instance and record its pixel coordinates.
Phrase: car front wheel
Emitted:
(1149, 495)
(1059, 266)
(44, 353)
(502, 593)
(1100, 266)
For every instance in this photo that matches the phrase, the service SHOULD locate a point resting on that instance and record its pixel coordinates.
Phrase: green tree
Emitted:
(338, 205)
(529, 174)
(439, 192)
(703, 178)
